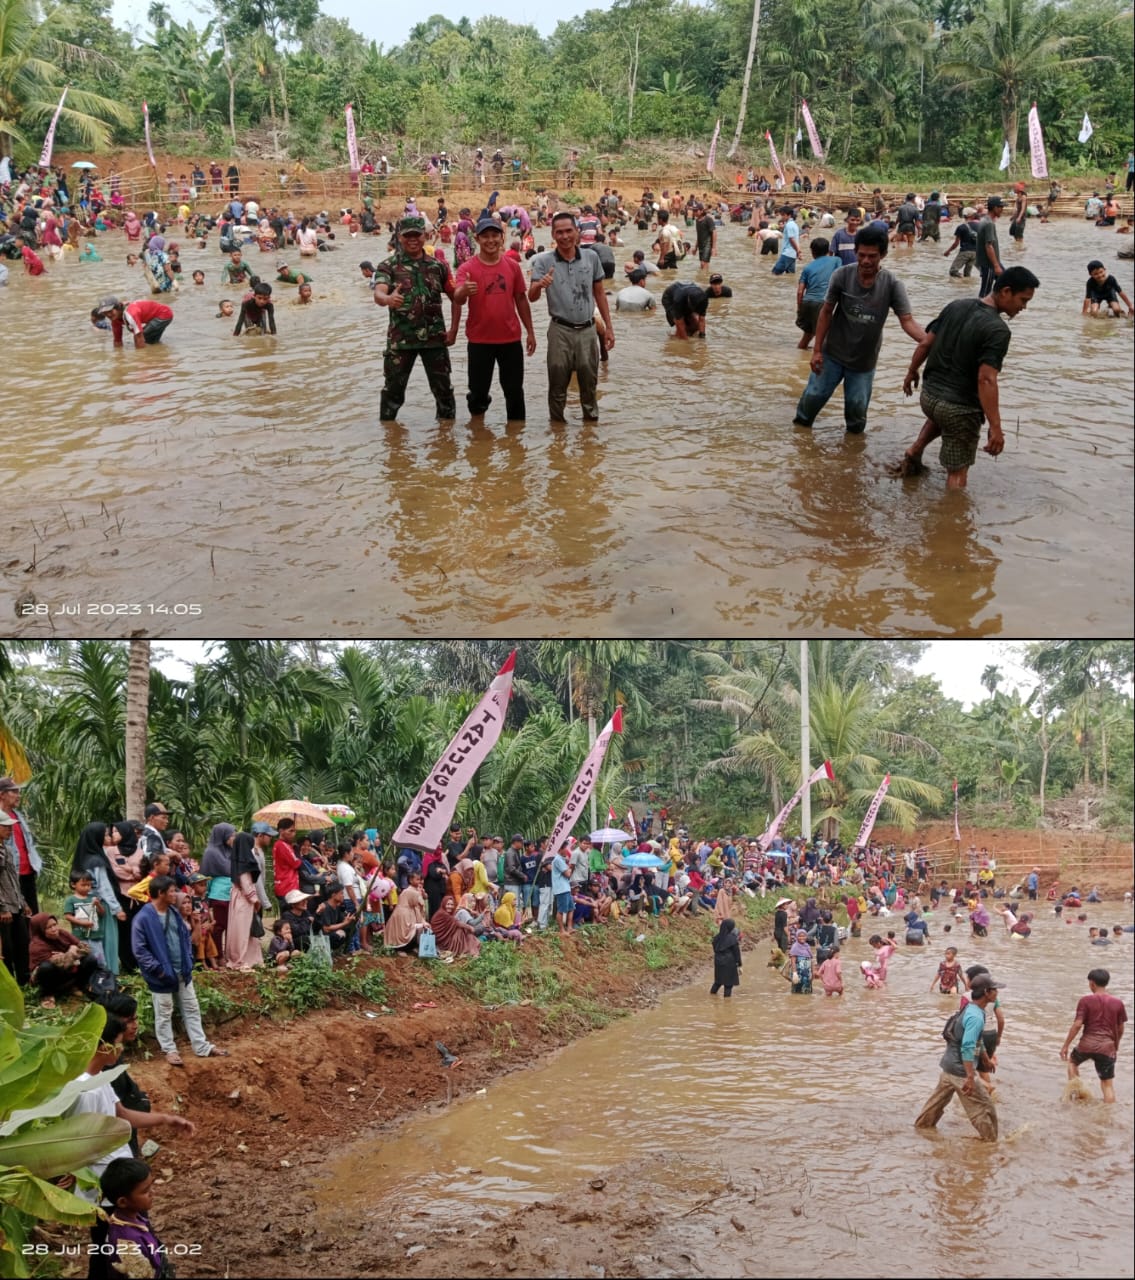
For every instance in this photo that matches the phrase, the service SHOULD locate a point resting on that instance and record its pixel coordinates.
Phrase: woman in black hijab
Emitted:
(726, 959)
(124, 851)
(91, 858)
(436, 887)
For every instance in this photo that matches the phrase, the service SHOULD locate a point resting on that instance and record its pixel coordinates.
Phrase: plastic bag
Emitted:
(320, 949)
(427, 945)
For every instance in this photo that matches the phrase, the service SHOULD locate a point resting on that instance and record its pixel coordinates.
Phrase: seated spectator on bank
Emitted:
(59, 961)
(335, 920)
(282, 949)
(298, 916)
(454, 935)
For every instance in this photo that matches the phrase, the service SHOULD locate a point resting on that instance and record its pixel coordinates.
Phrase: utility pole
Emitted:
(805, 744)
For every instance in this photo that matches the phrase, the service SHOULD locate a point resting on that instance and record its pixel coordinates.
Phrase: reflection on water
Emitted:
(251, 478)
(815, 1098)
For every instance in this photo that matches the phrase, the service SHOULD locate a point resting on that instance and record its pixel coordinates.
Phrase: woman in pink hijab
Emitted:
(50, 236)
(132, 226)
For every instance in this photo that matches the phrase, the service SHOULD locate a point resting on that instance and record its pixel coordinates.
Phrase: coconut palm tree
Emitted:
(1012, 47)
(137, 725)
(753, 30)
(33, 64)
(850, 726)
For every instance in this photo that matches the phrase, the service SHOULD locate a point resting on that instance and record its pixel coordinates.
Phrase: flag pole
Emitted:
(805, 745)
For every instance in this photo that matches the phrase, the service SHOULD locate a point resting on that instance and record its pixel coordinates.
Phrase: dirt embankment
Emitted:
(274, 1112)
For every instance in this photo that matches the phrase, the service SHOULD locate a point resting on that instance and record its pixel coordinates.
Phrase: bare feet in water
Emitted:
(909, 465)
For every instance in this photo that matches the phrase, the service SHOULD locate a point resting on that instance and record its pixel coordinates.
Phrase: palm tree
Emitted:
(1011, 47)
(849, 725)
(33, 63)
(990, 678)
(745, 82)
(137, 723)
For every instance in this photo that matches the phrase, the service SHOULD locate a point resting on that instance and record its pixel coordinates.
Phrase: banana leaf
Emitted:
(61, 1102)
(46, 1064)
(24, 1191)
(64, 1145)
(11, 999)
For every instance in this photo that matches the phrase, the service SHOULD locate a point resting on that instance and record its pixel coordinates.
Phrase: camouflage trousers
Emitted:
(396, 367)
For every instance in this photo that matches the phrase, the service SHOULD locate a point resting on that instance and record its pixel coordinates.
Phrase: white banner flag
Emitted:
(1006, 158)
(1037, 157)
(49, 141)
(711, 159)
(824, 771)
(813, 136)
(1086, 130)
(584, 785)
(427, 819)
(352, 140)
(872, 813)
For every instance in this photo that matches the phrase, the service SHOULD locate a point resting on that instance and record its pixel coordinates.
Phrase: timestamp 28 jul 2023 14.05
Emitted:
(110, 609)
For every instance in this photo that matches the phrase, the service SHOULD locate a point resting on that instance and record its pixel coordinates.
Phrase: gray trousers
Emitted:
(572, 351)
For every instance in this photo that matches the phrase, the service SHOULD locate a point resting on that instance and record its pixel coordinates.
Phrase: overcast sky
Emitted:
(957, 664)
(388, 24)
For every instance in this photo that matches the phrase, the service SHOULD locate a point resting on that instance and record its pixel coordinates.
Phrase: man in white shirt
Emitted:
(102, 1101)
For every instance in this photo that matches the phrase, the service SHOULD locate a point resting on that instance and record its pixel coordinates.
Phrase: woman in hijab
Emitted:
(437, 886)
(132, 226)
(810, 915)
(453, 935)
(91, 857)
(155, 263)
(126, 863)
(407, 919)
(59, 961)
(50, 238)
(216, 863)
(242, 950)
(800, 957)
(726, 958)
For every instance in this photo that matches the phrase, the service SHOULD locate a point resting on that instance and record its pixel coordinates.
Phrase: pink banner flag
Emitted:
(775, 158)
(957, 829)
(580, 793)
(49, 141)
(871, 814)
(713, 149)
(1037, 158)
(149, 145)
(427, 820)
(352, 140)
(824, 771)
(813, 136)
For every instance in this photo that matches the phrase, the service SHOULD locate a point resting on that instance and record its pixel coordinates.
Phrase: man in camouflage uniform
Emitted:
(411, 285)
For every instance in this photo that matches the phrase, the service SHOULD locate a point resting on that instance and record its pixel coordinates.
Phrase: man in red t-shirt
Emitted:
(285, 863)
(1101, 1018)
(498, 305)
(147, 320)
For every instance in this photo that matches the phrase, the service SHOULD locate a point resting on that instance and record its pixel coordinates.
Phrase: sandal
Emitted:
(174, 1059)
(49, 1003)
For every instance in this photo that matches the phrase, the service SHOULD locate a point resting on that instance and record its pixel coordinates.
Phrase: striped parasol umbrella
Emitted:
(308, 816)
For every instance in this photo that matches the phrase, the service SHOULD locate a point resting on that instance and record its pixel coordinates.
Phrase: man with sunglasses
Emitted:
(410, 284)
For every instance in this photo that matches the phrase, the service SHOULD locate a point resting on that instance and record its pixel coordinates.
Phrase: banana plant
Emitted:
(39, 1069)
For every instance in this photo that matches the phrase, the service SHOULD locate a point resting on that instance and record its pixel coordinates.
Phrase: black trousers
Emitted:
(28, 889)
(14, 944)
(508, 358)
(51, 980)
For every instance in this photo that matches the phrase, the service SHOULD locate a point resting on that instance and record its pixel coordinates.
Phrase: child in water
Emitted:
(224, 309)
(1103, 290)
(870, 975)
(131, 259)
(831, 973)
(198, 277)
(949, 976)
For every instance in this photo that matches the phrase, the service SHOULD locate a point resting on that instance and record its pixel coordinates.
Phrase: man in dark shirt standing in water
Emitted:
(964, 349)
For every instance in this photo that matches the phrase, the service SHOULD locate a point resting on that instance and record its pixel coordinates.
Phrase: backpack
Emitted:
(102, 984)
(952, 1031)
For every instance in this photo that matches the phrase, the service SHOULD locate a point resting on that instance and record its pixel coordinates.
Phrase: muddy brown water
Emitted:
(802, 1107)
(214, 485)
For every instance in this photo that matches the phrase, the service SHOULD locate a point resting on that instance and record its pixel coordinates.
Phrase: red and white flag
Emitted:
(49, 141)
(584, 785)
(712, 157)
(1037, 157)
(957, 829)
(149, 144)
(632, 823)
(813, 136)
(871, 814)
(352, 140)
(612, 816)
(427, 820)
(775, 158)
(824, 771)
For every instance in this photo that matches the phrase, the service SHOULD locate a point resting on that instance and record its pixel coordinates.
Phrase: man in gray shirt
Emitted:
(573, 281)
(988, 250)
(849, 332)
(634, 298)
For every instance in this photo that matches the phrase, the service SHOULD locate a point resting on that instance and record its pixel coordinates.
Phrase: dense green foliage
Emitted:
(892, 84)
(712, 728)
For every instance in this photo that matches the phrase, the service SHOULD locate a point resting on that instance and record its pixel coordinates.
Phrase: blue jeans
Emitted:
(784, 264)
(856, 395)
